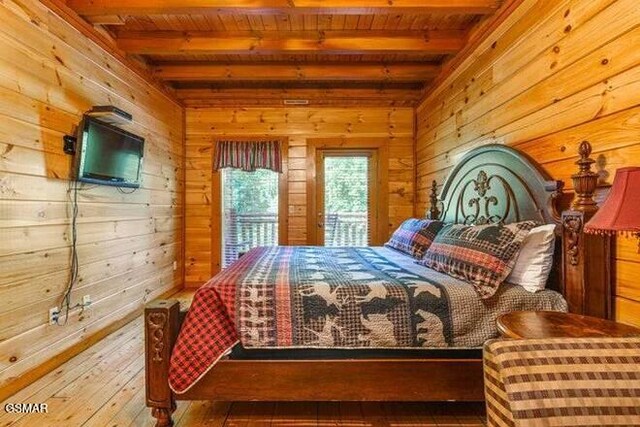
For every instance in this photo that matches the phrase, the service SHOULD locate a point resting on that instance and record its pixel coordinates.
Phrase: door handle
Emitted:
(320, 221)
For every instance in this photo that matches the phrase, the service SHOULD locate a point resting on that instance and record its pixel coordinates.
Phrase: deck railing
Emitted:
(246, 231)
(345, 229)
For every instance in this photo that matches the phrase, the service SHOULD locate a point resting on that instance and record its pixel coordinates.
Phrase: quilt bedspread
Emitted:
(315, 297)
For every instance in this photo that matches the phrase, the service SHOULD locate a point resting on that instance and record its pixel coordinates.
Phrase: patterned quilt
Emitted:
(314, 297)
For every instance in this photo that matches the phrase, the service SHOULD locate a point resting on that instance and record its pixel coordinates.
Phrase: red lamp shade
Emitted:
(620, 213)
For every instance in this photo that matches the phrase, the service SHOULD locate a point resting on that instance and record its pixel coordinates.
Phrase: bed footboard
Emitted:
(161, 325)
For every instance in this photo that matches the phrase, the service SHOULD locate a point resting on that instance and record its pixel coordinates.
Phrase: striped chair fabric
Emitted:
(563, 382)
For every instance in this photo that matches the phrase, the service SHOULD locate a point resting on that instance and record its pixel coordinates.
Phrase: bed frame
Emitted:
(490, 184)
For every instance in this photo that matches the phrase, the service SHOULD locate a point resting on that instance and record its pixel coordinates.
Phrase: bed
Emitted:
(197, 355)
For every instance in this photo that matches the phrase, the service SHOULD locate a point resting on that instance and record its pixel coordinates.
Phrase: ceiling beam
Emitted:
(344, 7)
(105, 20)
(397, 72)
(291, 43)
(298, 93)
(315, 96)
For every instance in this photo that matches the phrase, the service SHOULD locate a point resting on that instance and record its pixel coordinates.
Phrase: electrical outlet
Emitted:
(175, 265)
(54, 313)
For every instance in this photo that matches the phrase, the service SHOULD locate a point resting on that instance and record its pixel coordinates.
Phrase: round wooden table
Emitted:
(552, 324)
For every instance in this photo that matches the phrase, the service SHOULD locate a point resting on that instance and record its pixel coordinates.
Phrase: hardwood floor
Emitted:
(104, 386)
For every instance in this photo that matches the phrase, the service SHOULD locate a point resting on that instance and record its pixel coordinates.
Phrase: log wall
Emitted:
(127, 243)
(298, 124)
(554, 74)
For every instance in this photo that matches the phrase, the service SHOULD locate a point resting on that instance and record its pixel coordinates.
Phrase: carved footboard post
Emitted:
(161, 326)
(586, 257)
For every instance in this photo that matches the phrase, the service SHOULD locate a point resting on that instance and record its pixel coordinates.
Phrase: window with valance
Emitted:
(249, 172)
(248, 155)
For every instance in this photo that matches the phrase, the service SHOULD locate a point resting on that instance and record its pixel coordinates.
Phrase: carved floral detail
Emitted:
(485, 208)
(573, 226)
(157, 322)
(481, 184)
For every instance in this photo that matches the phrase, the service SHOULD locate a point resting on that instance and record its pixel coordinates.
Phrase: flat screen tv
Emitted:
(108, 155)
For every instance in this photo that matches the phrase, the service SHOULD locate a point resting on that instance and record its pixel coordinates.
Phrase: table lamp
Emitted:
(620, 213)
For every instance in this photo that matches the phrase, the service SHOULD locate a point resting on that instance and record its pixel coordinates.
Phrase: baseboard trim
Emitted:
(26, 379)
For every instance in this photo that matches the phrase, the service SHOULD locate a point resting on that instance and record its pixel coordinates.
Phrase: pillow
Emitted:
(482, 255)
(414, 236)
(533, 264)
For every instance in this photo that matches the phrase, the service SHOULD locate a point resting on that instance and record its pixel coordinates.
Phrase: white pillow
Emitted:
(534, 262)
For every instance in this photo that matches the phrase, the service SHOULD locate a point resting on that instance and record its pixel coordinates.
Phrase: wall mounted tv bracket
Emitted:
(69, 146)
(110, 114)
(105, 113)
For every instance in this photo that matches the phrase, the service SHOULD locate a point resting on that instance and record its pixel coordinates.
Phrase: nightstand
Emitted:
(552, 324)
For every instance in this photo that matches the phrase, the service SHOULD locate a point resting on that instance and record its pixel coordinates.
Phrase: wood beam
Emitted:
(399, 72)
(343, 7)
(308, 42)
(316, 96)
(106, 20)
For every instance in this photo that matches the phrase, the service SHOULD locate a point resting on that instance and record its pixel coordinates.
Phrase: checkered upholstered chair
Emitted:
(563, 382)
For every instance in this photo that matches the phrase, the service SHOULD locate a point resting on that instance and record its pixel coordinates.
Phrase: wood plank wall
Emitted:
(554, 74)
(204, 125)
(127, 243)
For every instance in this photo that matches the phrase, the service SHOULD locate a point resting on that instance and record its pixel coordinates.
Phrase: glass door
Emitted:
(249, 211)
(346, 197)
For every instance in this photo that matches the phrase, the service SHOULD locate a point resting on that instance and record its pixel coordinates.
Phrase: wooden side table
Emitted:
(552, 324)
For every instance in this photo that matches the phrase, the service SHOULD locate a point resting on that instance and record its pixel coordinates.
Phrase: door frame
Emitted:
(381, 146)
(216, 198)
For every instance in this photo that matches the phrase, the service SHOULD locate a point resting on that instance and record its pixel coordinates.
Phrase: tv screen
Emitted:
(109, 155)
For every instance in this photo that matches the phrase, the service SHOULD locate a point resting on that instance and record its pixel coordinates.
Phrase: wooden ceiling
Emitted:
(265, 51)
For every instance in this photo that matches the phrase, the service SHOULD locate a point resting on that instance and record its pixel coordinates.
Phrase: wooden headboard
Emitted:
(498, 184)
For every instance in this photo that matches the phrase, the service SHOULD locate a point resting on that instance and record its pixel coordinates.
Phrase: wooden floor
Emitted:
(104, 386)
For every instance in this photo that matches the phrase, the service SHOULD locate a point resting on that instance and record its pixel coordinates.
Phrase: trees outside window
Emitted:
(250, 206)
(250, 211)
(346, 186)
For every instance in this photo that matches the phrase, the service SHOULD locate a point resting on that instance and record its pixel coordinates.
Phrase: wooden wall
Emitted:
(204, 125)
(127, 243)
(554, 74)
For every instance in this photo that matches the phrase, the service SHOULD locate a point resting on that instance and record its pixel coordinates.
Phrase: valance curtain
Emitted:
(249, 155)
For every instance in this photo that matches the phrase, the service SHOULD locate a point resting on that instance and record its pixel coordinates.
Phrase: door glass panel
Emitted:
(250, 212)
(346, 204)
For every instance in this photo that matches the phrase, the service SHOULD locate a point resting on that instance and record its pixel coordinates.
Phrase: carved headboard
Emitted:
(495, 183)
(498, 184)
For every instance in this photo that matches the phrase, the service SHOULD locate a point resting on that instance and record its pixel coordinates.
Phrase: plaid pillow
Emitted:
(481, 255)
(414, 236)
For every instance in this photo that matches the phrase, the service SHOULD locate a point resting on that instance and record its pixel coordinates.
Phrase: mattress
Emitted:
(346, 299)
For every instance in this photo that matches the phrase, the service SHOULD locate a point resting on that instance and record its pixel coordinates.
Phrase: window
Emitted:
(249, 211)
